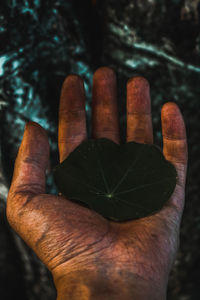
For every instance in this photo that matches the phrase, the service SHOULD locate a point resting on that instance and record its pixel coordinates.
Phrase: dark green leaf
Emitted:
(121, 182)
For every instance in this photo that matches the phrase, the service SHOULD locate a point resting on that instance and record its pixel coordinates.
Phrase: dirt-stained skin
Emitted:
(77, 244)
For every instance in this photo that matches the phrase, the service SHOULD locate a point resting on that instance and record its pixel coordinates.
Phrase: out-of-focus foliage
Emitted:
(44, 41)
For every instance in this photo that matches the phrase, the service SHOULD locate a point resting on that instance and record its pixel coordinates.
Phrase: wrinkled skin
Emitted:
(70, 238)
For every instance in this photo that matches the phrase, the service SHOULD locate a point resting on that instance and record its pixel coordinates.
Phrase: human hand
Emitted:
(89, 256)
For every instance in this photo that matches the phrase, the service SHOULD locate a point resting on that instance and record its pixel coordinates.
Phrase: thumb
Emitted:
(31, 163)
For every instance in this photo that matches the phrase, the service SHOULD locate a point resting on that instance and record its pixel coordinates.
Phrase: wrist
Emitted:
(86, 284)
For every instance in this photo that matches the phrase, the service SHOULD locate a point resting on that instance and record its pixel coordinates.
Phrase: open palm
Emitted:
(69, 237)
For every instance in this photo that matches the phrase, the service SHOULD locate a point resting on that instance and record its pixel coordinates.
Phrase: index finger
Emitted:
(72, 128)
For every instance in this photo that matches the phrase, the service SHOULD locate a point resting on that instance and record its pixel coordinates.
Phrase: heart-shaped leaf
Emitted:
(121, 182)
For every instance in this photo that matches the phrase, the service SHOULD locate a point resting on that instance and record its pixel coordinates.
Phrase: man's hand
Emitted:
(89, 256)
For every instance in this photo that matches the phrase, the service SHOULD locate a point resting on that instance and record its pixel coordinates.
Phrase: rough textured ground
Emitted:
(41, 43)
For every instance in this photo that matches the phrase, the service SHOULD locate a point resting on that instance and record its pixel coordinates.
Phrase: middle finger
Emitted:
(105, 119)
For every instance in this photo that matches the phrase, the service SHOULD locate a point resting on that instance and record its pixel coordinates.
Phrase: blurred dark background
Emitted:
(41, 42)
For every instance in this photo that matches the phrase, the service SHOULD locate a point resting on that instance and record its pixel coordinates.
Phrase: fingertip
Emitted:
(138, 95)
(73, 80)
(138, 82)
(35, 139)
(72, 95)
(173, 125)
(170, 108)
(104, 88)
(32, 124)
(175, 147)
(35, 129)
(104, 74)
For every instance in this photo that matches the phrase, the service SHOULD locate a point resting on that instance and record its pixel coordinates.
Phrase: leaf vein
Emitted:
(126, 172)
(101, 169)
(133, 204)
(144, 185)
